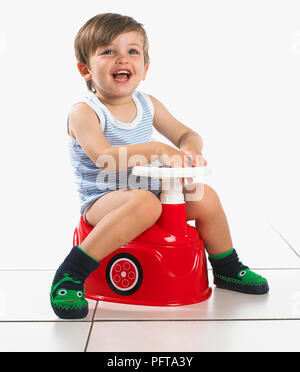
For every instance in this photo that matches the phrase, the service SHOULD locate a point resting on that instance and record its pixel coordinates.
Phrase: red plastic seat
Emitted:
(164, 266)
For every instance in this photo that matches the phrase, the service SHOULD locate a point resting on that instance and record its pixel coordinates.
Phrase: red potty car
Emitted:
(164, 266)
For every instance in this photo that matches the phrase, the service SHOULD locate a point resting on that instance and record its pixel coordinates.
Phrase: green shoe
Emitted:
(67, 296)
(246, 281)
(230, 273)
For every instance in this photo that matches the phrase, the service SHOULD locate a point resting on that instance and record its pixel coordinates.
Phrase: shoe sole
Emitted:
(253, 289)
(71, 314)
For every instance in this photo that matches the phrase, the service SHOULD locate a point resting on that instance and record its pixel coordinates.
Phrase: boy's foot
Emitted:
(67, 294)
(246, 281)
(230, 273)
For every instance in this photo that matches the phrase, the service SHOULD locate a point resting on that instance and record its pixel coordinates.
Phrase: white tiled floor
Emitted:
(228, 321)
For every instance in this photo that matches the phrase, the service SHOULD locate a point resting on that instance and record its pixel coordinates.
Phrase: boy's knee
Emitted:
(211, 194)
(211, 202)
(147, 204)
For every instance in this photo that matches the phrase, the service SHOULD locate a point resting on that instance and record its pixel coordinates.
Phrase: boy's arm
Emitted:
(179, 134)
(84, 125)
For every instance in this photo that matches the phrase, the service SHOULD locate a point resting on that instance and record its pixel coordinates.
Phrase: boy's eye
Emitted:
(110, 51)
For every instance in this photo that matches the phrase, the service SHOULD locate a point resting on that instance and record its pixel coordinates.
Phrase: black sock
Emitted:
(227, 266)
(67, 291)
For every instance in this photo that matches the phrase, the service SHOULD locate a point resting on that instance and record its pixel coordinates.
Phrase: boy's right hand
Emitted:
(172, 157)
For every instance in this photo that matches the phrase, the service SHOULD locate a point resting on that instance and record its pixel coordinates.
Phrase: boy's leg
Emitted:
(210, 220)
(117, 217)
(212, 226)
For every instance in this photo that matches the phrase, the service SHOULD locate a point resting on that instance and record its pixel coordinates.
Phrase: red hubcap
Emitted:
(124, 274)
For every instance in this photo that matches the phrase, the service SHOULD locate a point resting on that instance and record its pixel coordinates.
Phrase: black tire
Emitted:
(131, 274)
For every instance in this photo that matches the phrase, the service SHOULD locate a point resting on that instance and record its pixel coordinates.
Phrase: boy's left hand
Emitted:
(193, 158)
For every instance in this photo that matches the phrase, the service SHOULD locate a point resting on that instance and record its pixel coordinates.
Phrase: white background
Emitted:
(227, 69)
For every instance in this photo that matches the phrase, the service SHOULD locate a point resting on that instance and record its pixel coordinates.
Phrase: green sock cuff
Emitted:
(221, 255)
(86, 253)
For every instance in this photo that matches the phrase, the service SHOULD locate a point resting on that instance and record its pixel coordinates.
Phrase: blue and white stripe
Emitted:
(91, 181)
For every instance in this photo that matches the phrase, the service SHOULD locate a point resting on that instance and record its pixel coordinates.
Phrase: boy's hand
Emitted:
(194, 158)
(185, 157)
(170, 156)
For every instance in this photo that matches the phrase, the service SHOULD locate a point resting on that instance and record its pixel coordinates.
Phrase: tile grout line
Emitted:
(91, 328)
(195, 320)
(46, 321)
(285, 240)
(150, 320)
(28, 270)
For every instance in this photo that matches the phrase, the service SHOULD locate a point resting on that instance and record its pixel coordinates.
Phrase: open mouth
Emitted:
(122, 76)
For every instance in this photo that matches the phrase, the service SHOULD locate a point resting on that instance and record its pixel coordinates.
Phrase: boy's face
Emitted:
(117, 69)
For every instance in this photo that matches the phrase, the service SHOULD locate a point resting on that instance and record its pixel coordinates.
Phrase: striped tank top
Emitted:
(93, 182)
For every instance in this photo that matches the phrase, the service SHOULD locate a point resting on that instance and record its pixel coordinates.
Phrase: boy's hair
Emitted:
(100, 31)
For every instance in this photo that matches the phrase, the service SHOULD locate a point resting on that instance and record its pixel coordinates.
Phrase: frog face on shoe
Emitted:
(249, 277)
(68, 295)
(67, 298)
(241, 274)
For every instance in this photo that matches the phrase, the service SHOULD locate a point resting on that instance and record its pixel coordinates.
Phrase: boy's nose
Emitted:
(121, 58)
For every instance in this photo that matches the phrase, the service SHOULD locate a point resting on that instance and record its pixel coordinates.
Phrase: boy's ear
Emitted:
(145, 71)
(84, 71)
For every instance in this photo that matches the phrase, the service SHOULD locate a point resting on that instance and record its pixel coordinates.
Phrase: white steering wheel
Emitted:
(171, 186)
(197, 173)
